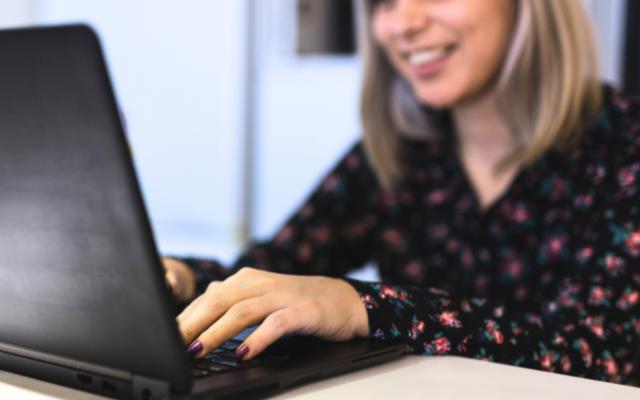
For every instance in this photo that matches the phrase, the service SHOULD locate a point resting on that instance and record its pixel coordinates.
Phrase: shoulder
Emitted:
(615, 143)
(618, 123)
(352, 172)
(354, 160)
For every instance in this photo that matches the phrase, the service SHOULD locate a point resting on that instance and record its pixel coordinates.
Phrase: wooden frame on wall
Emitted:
(632, 49)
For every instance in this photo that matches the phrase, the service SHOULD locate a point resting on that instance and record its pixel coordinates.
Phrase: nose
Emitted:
(409, 18)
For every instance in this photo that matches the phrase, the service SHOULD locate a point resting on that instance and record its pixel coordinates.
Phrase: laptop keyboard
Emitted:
(223, 359)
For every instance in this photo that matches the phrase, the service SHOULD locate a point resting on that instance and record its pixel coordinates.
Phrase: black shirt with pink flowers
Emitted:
(547, 277)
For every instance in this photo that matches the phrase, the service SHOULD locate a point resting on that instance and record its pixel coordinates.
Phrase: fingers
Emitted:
(196, 304)
(217, 299)
(206, 310)
(285, 304)
(239, 317)
(188, 310)
(276, 325)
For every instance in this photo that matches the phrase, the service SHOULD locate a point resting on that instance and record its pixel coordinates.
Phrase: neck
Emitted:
(481, 130)
(484, 139)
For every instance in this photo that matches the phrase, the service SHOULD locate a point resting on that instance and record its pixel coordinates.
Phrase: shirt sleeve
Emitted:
(588, 326)
(330, 233)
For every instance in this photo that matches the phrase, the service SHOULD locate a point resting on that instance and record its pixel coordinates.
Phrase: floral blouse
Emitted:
(548, 277)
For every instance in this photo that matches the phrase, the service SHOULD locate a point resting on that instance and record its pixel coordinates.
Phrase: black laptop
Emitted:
(83, 302)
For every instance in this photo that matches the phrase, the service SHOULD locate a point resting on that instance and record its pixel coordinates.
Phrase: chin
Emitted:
(436, 100)
(438, 95)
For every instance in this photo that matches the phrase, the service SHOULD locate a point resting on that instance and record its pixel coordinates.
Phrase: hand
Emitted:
(313, 305)
(180, 279)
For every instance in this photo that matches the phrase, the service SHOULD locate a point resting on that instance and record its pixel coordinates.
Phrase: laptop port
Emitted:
(85, 379)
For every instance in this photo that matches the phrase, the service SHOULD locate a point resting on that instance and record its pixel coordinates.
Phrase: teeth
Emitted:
(426, 56)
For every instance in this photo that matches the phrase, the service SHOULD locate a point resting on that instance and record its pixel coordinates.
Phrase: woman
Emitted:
(495, 188)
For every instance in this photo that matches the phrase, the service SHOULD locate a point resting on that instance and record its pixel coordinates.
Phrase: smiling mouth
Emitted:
(426, 57)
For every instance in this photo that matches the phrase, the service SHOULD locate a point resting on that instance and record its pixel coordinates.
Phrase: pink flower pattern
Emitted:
(548, 277)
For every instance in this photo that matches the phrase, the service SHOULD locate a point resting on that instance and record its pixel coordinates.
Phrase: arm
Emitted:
(585, 330)
(589, 325)
(330, 234)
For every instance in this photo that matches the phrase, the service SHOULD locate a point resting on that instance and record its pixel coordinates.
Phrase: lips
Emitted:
(428, 60)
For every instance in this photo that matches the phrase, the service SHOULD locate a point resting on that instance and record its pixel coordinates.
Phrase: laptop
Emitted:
(83, 298)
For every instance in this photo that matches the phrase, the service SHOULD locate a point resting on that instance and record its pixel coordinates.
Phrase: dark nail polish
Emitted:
(194, 348)
(241, 351)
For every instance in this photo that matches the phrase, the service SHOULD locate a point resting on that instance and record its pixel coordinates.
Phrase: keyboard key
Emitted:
(228, 361)
(219, 350)
(199, 373)
(230, 345)
(208, 366)
(223, 359)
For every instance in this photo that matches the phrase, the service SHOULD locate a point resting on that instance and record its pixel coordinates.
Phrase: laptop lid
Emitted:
(80, 280)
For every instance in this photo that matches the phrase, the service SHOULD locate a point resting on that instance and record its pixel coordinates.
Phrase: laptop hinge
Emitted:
(150, 389)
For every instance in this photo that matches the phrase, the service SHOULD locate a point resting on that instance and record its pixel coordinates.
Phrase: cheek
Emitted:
(472, 69)
(384, 40)
(486, 47)
(483, 37)
(480, 61)
(378, 31)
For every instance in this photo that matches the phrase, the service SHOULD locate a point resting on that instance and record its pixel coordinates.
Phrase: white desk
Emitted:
(411, 377)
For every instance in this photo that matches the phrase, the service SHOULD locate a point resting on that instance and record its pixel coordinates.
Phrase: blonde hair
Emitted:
(549, 79)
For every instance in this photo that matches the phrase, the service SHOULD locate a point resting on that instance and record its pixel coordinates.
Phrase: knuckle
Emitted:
(187, 331)
(279, 322)
(213, 286)
(267, 283)
(241, 311)
(213, 294)
(214, 302)
(246, 270)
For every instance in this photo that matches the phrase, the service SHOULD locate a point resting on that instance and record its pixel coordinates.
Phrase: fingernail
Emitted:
(194, 348)
(242, 351)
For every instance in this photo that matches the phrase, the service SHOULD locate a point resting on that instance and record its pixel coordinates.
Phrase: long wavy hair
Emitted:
(550, 80)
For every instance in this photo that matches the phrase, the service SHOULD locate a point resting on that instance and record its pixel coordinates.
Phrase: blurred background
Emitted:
(236, 108)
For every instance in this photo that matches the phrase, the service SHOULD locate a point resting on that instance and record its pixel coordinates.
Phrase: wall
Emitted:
(15, 13)
(307, 116)
(178, 73)
(609, 19)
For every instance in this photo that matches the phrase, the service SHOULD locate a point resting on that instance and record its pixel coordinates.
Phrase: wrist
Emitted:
(359, 316)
